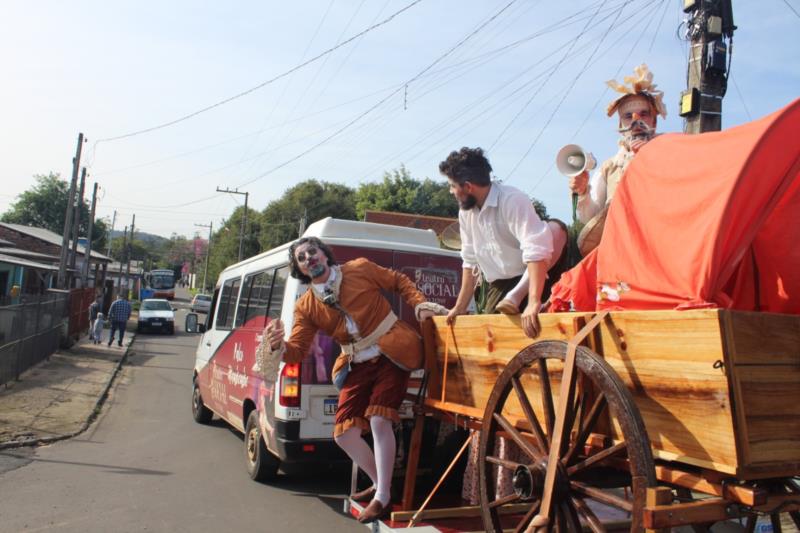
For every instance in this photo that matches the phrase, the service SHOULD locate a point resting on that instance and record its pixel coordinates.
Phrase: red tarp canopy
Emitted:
(708, 220)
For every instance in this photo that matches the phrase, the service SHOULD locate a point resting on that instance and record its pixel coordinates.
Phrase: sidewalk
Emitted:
(60, 397)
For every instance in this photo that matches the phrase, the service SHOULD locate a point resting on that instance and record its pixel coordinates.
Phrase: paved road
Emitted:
(146, 466)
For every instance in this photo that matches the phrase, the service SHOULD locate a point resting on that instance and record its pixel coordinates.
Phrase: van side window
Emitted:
(227, 304)
(254, 300)
(210, 315)
(276, 295)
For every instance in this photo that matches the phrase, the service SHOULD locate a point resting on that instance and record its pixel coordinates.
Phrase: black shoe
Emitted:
(119, 343)
(109, 343)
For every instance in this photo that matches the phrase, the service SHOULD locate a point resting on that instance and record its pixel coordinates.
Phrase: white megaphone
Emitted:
(572, 160)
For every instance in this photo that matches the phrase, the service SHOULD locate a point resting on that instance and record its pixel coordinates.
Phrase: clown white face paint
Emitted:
(637, 119)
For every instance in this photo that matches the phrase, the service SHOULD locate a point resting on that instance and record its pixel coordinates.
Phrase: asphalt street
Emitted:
(145, 465)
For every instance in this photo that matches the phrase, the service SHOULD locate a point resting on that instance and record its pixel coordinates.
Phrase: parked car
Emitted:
(201, 303)
(156, 314)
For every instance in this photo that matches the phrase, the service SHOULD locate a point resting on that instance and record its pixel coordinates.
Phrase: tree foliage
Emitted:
(45, 206)
(399, 192)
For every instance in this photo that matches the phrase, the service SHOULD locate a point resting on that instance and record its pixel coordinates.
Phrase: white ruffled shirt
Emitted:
(352, 328)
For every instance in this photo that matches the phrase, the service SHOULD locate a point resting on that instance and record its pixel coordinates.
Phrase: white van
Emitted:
(290, 419)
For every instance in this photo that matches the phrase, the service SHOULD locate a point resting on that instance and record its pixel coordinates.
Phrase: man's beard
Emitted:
(316, 270)
(468, 203)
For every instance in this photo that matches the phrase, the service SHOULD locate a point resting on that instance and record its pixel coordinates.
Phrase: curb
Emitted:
(88, 422)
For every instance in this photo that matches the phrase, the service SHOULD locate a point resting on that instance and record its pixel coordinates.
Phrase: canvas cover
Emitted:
(708, 220)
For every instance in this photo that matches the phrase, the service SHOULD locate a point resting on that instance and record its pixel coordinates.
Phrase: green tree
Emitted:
(45, 206)
(399, 192)
(311, 200)
(225, 243)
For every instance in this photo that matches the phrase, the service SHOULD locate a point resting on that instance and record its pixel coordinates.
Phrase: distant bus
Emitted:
(162, 282)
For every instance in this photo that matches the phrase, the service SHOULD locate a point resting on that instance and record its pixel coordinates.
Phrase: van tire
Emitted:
(261, 464)
(200, 413)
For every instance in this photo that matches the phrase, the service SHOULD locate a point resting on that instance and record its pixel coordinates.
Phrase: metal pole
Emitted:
(62, 264)
(110, 232)
(128, 256)
(210, 225)
(244, 218)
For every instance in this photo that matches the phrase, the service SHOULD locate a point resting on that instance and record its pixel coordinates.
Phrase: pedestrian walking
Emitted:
(96, 330)
(118, 314)
(94, 309)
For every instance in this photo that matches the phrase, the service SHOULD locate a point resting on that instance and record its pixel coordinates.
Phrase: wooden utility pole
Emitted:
(89, 239)
(76, 224)
(111, 232)
(123, 251)
(244, 218)
(128, 256)
(710, 31)
(62, 263)
(210, 225)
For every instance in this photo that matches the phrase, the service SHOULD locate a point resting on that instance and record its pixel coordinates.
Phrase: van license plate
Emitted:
(156, 323)
(330, 406)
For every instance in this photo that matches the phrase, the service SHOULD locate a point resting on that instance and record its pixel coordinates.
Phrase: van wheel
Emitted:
(261, 464)
(200, 413)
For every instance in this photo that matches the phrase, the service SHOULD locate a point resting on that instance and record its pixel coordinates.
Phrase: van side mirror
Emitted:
(192, 325)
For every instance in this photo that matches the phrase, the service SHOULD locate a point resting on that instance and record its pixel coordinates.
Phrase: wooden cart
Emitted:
(625, 420)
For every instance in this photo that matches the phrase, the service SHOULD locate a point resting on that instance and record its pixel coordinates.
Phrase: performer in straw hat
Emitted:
(637, 105)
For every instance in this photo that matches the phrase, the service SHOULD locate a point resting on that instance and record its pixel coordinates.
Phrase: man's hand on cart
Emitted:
(274, 333)
(453, 313)
(530, 320)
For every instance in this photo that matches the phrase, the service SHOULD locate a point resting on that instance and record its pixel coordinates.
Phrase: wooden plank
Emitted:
(742, 494)
(764, 338)
(666, 358)
(658, 496)
(683, 514)
(457, 512)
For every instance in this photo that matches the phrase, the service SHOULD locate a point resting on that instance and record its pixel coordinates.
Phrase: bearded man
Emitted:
(638, 106)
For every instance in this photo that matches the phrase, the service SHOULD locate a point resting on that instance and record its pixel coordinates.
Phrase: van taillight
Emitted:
(290, 386)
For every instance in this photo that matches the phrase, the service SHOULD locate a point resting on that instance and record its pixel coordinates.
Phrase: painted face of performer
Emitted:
(311, 261)
(637, 119)
(463, 194)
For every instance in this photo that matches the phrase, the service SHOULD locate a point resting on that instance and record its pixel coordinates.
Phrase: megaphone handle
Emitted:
(574, 207)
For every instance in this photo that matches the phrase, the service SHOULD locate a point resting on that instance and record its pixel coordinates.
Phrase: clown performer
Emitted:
(638, 105)
(347, 303)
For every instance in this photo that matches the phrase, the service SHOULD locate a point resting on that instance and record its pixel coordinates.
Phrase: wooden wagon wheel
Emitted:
(583, 484)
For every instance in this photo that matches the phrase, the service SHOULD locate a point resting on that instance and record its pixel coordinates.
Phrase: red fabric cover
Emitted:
(708, 220)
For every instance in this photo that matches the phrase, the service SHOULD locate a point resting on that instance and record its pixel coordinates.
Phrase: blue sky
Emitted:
(111, 68)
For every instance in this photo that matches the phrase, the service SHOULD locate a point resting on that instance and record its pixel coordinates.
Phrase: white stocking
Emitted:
(359, 451)
(385, 449)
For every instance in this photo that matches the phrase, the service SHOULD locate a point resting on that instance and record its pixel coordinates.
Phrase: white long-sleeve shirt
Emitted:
(504, 234)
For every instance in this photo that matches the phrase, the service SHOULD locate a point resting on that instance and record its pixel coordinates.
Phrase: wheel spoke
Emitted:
(516, 436)
(572, 516)
(775, 518)
(591, 420)
(547, 398)
(530, 415)
(503, 501)
(523, 525)
(502, 462)
(600, 456)
(561, 520)
(602, 496)
(586, 512)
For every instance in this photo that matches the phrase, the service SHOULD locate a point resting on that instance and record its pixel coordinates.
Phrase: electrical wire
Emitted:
(263, 84)
(792, 8)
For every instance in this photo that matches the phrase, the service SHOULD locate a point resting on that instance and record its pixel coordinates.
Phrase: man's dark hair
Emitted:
(467, 165)
(295, 268)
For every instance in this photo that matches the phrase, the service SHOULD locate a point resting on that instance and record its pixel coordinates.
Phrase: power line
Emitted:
(792, 8)
(260, 85)
(368, 111)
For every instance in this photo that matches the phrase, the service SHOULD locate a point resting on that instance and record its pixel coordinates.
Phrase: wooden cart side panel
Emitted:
(666, 358)
(671, 362)
(763, 354)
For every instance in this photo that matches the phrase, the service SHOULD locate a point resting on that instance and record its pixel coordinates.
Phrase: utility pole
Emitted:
(122, 259)
(111, 231)
(86, 263)
(76, 224)
(62, 263)
(128, 255)
(244, 218)
(208, 249)
(303, 222)
(710, 31)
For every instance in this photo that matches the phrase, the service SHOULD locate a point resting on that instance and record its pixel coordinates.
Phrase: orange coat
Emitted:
(360, 296)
